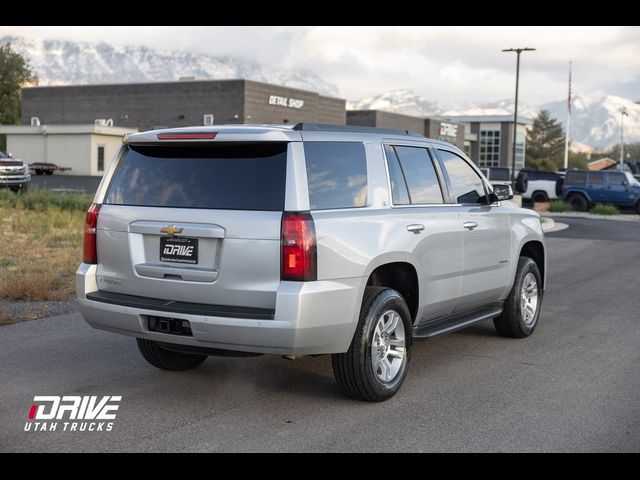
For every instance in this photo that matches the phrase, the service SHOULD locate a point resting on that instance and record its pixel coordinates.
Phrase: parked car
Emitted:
(314, 239)
(503, 174)
(541, 186)
(14, 173)
(584, 188)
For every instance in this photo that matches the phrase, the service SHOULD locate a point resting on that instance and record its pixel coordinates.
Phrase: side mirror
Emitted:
(502, 191)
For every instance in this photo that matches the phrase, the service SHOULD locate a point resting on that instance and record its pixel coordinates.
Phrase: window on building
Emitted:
(489, 148)
(336, 174)
(420, 175)
(101, 158)
(466, 184)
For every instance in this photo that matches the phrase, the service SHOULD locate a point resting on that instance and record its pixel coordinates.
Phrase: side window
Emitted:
(399, 192)
(336, 174)
(466, 184)
(616, 179)
(596, 178)
(420, 175)
(575, 177)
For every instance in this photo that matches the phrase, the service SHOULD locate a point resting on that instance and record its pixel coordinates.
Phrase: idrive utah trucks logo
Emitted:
(89, 413)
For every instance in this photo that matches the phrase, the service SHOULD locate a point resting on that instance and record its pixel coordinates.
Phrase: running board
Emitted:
(428, 331)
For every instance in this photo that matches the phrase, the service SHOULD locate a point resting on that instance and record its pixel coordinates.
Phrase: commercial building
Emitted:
(183, 103)
(86, 149)
(449, 131)
(489, 139)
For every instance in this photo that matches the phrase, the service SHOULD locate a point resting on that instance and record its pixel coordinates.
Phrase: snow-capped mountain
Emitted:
(595, 120)
(399, 101)
(61, 62)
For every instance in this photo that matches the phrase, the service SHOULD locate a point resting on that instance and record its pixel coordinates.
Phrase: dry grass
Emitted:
(40, 244)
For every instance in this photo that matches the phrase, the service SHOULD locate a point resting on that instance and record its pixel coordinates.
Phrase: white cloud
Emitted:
(439, 63)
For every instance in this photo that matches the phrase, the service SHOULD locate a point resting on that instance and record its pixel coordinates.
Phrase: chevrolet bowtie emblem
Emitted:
(171, 230)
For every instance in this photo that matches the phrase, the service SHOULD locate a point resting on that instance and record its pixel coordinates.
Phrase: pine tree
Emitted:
(15, 72)
(545, 142)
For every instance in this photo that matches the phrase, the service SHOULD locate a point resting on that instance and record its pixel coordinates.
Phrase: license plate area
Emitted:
(179, 250)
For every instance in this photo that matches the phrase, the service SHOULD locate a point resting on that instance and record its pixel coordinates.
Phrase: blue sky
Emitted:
(450, 64)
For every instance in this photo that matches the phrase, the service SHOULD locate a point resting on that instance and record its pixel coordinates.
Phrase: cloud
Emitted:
(439, 63)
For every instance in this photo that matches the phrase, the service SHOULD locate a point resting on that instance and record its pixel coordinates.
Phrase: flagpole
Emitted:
(567, 125)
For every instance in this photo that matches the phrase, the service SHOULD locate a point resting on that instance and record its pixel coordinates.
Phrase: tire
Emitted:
(514, 322)
(559, 184)
(168, 359)
(355, 371)
(48, 172)
(539, 197)
(578, 202)
(522, 182)
(38, 171)
(638, 207)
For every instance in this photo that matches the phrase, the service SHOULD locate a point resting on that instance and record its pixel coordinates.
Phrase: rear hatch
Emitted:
(195, 223)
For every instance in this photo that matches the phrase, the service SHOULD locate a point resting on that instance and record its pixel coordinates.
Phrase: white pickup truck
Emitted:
(14, 173)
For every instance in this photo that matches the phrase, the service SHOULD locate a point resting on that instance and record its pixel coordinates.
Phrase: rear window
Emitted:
(499, 174)
(336, 174)
(249, 176)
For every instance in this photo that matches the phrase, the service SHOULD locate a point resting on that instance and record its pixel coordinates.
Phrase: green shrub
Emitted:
(41, 200)
(604, 209)
(559, 206)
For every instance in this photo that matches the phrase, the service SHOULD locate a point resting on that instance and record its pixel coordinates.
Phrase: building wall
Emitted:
(30, 148)
(381, 119)
(137, 105)
(506, 139)
(112, 146)
(78, 151)
(475, 146)
(175, 104)
(434, 129)
(265, 103)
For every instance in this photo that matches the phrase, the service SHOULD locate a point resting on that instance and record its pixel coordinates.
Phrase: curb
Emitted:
(616, 218)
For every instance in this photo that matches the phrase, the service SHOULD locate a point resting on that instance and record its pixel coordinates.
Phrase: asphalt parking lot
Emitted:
(573, 386)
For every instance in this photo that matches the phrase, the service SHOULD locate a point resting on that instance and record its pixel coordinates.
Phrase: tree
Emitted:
(545, 142)
(15, 72)
(631, 152)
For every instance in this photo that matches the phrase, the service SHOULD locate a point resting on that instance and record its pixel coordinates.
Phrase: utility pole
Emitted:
(567, 125)
(515, 110)
(623, 111)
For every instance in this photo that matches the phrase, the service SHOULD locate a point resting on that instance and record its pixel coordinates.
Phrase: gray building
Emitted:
(449, 131)
(488, 139)
(192, 102)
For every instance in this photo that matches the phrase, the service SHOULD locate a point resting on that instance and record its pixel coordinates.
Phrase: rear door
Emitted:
(486, 234)
(596, 186)
(195, 223)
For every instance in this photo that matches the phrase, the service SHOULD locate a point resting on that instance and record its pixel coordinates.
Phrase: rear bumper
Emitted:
(309, 318)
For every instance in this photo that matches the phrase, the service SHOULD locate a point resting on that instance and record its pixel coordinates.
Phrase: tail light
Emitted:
(90, 224)
(299, 256)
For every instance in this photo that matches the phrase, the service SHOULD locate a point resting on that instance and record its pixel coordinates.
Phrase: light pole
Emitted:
(515, 110)
(623, 111)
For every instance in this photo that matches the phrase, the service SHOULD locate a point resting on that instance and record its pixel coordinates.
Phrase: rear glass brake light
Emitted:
(187, 136)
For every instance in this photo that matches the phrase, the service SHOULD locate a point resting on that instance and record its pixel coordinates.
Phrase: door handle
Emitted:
(469, 225)
(415, 228)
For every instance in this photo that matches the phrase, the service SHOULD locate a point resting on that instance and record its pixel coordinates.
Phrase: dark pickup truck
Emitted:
(584, 188)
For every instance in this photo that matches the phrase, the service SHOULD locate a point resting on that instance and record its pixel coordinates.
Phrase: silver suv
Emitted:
(314, 239)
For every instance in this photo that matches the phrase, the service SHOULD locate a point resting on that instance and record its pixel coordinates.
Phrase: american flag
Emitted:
(569, 97)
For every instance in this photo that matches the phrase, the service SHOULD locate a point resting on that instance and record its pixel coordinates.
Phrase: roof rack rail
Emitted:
(322, 127)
